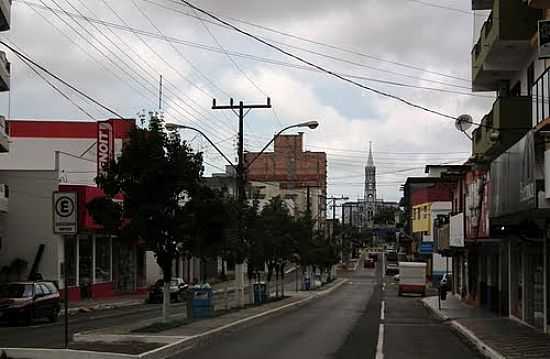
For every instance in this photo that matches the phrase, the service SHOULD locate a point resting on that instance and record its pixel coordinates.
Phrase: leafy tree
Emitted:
(155, 173)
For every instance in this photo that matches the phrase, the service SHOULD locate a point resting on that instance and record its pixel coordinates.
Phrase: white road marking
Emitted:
(380, 345)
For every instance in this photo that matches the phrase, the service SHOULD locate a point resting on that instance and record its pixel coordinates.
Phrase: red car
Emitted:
(29, 300)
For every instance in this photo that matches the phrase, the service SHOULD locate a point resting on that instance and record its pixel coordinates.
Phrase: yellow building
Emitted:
(422, 218)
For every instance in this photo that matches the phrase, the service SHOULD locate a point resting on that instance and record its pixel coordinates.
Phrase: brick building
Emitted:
(291, 173)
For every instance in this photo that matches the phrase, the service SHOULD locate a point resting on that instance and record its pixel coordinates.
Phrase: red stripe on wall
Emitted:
(65, 129)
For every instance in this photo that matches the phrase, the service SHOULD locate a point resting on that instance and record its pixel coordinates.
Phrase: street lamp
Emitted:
(309, 124)
(177, 126)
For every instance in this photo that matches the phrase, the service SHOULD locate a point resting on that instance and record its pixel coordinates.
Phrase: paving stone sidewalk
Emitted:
(494, 336)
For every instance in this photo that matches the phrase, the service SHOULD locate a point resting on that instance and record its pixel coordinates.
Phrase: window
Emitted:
(425, 212)
(69, 266)
(516, 90)
(45, 289)
(38, 290)
(102, 259)
(51, 287)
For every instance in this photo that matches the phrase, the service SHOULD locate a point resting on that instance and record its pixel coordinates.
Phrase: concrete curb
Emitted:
(483, 348)
(436, 313)
(480, 346)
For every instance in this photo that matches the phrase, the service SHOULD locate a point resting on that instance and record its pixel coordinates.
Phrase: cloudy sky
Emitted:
(115, 50)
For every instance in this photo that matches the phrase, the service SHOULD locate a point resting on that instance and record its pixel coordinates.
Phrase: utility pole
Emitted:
(241, 178)
(241, 170)
(334, 199)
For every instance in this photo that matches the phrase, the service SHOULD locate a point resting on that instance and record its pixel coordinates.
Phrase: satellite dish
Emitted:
(463, 123)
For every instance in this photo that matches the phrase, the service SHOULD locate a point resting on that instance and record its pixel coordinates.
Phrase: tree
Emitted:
(156, 174)
(209, 216)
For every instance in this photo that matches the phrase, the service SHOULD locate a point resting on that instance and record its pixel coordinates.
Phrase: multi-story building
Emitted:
(50, 156)
(504, 196)
(297, 176)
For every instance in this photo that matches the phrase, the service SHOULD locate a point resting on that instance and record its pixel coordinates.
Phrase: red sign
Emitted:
(105, 145)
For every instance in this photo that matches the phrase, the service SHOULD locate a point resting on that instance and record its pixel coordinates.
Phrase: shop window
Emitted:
(102, 259)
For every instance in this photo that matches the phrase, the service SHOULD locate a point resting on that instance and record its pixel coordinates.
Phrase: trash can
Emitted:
(202, 303)
(307, 283)
(260, 293)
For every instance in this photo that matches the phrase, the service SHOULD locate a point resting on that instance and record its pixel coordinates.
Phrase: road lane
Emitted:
(316, 330)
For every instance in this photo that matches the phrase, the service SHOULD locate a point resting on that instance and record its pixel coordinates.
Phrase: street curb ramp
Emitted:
(467, 334)
(166, 351)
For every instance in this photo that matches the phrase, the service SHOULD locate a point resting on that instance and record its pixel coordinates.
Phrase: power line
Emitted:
(320, 68)
(109, 58)
(81, 93)
(315, 42)
(267, 60)
(466, 12)
(57, 89)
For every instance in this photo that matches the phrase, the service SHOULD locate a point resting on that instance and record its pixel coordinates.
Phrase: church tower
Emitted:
(370, 189)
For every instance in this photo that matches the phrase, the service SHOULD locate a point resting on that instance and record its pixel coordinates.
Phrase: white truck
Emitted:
(412, 278)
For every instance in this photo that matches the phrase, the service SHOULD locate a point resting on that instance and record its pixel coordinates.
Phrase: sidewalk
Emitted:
(494, 336)
(88, 305)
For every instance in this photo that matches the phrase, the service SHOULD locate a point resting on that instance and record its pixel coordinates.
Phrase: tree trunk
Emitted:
(165, 301)
(276, 283)
(283, 281)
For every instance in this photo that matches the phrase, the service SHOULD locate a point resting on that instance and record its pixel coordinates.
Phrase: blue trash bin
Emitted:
(202, 304)
(260, 293)
(307, 283)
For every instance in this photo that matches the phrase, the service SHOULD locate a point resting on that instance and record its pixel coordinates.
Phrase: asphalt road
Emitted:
(319, 329)
(344, 325)
(42, 334)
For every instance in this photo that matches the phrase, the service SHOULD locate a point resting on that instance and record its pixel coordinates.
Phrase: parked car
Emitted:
(177, 290)
(27, 301)
(369, 263)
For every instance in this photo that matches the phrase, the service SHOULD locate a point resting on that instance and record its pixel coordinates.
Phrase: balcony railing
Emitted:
(504, 43)
(508, 121)
(540, 98)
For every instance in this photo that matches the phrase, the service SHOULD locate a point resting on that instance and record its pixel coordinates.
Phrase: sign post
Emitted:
(65, 222)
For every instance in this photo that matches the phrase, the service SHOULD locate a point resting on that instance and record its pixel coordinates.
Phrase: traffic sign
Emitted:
(65, 213)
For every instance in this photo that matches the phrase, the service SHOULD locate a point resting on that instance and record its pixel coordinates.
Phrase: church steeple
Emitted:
(370, 161)
(370, 189)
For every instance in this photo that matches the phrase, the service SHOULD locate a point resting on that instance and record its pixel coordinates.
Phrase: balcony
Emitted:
(539, 4)
(507, 122)
(4, 136)
(482, 4)
(5, 72)
(5, 14)
(504, 43)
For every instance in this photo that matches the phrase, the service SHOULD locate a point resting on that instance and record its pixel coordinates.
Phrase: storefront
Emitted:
(98, 264)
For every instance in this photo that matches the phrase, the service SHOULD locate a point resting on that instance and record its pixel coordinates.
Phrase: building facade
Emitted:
(50, 156)
(299, 177)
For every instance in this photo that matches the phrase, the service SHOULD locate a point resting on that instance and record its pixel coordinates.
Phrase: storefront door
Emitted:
(85, 265)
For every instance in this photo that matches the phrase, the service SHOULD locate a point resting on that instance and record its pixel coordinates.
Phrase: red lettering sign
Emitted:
(105, 145)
